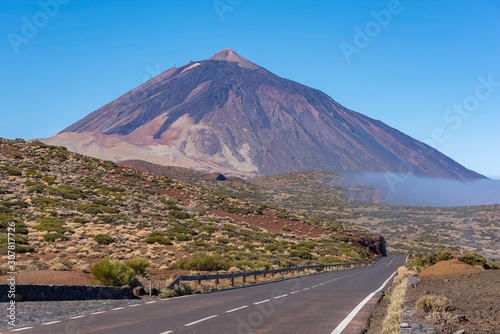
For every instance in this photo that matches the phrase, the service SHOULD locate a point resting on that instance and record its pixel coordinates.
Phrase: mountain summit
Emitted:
(230, 55)
(229, 115)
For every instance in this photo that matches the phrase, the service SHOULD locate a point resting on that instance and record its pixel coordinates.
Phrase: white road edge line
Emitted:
(98, 312)
(154, 301)
(294, 292)
(167, 332)
(118, 308)
(20, 329)
(77, 317)
(353, 313)
(262, 301)
(50, 323)
(236, 309)
(198, 321)
(134, 305)
(305, 289)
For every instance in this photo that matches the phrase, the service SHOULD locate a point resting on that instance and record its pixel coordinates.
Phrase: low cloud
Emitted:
(400, 189)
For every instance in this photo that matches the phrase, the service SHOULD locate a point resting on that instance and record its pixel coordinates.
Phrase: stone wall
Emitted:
(33, 292)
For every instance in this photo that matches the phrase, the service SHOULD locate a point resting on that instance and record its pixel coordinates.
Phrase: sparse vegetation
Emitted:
(103, 239)
(433, 304)
(138, 264)
(112, 273)
(396, 295)
(86, 203)
(54, 236)
(203, 261)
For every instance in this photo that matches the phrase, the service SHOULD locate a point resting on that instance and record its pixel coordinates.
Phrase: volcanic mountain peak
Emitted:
(227, 114)
(230, 55)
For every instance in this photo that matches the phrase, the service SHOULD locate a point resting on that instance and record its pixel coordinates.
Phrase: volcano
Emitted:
(227, 114)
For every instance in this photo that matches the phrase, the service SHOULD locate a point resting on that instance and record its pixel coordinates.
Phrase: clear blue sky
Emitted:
(428, 58)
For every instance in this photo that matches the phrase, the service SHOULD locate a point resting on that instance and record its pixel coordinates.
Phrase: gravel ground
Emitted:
(474, 298)
(30, 313)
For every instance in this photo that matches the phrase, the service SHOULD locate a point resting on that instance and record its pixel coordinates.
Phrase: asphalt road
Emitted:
(322, 303)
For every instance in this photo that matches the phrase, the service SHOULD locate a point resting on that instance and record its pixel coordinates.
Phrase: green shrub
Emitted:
(159, 239)
(54, 236)
(143, 225)
(21, 245)
(103, 239)
(138, 264)
(91, 183)
(473, 258)
(49, 179)
(78, 220)
(156, 232)
(249, 246)
(329, 259)
(112, 274)
(5, 219)
(44, 202)
(96, 208)
(179, 214)
(38, 188)
(13, 171)
(224, 241)
(51, 224)
(493, 265)
(21, 204)
(300, 253)
(420, 261)
(4, 209)
(67, 192)
(33, 173)
(476, 259)
(114, 219)
(263, 266)
(274, 248)
(183, 237)
(203, 261)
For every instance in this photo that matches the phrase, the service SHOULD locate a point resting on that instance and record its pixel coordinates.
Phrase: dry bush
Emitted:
(396, 295)
(433, 303)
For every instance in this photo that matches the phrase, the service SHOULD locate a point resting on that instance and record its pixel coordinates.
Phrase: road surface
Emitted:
(331, 303)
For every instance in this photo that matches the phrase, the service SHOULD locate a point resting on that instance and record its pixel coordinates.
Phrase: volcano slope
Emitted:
(227, 114)
(60, 201)
(342, 200)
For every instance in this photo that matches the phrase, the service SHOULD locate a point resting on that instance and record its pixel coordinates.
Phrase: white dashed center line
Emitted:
(198, 321)
(262, 301)
(281, 296)
(236, 309)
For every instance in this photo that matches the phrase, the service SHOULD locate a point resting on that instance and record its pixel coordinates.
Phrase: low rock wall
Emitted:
(34, 292)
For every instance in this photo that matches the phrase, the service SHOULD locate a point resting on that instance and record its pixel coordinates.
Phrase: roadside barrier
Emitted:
(231, 277)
